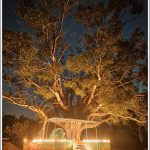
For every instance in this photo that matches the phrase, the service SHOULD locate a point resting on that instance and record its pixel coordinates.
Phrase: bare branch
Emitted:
(128, 82)
(60, 30)
(64, 50)
(31, 107)
(98, 72)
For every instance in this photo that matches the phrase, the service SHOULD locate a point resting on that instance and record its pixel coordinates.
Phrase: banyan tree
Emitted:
(73, 61)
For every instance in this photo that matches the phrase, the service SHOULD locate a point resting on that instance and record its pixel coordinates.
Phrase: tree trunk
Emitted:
(42, 131)
(141, 137)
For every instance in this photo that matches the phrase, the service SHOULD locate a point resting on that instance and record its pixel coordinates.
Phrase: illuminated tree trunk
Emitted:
(73, 130)
(42, 131)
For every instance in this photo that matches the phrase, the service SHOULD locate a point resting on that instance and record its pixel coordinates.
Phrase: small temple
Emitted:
(73, 127)
(72, 141)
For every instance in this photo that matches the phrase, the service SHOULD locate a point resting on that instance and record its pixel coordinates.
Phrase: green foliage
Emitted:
(13, 41)
(36, 19)
(27, 55)
(46, 76)
(79, 63)
(25, 72)
(80, 92)
(50, 74)
(70, 84)
(74, 86)
(45, 92)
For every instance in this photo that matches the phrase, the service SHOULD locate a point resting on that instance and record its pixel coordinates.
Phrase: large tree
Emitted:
(95, 79)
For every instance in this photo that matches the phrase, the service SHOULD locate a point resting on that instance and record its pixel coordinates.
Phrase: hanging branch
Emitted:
(15, 101)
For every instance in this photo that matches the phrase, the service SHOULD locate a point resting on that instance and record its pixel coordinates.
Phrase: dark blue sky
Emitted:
(10, 22)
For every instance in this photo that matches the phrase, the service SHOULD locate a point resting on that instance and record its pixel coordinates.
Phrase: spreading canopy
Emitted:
(95, 78)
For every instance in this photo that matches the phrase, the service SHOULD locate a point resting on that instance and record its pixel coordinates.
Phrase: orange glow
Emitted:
(47, 140)
(97, 141)
(25, 140)
(50, 140)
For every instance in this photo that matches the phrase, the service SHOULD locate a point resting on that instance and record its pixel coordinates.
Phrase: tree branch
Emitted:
(130, 118)
(92, 95)
(91, 117)
(60, 29)
(63, 53)
(58, 98)
(12, 100)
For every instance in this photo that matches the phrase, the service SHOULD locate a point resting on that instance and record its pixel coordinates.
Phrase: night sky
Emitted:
(10, 22)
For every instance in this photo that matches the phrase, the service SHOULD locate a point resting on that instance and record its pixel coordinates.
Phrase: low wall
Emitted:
(48, 146)
(98, 145)
(65, 145)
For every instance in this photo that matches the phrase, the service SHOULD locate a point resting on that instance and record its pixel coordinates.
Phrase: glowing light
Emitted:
(48, 140)
(25, 140)
(97, 141)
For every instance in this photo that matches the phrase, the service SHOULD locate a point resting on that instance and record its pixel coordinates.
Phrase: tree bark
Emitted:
(141, 136)
(42, 131)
